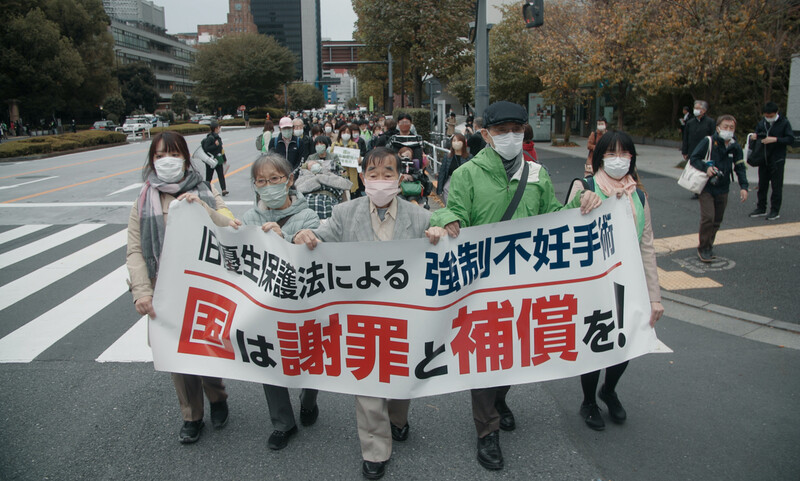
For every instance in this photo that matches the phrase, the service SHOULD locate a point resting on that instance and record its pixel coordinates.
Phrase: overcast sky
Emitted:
(337, 16)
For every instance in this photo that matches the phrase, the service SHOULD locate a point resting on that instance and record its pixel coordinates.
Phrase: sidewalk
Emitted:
(663, 160)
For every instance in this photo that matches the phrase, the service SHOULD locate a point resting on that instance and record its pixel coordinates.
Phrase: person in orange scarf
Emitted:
(614, 165)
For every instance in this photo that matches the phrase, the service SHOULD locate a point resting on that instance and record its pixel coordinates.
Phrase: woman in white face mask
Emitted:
(168, 175)
(345, 139)
(458, 155)
(282, 211)
(614, 164)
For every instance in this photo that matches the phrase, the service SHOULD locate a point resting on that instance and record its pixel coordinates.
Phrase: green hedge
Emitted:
(240, 122)
(183, 129)
(60, 143)
(421, 119)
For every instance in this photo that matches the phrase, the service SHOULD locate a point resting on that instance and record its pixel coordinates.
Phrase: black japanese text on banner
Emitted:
(528, 300)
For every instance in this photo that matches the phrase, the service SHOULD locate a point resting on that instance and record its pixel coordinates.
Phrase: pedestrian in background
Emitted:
(451, 124)
(697, 128)
(614, 164)
(284, 211)
(725, 159)
(458, 156)
(594, 137)
(212, 145)
(475, 142)
(776, 134)
(167, 176)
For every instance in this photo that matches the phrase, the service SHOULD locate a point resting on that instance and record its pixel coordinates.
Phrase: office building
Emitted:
(240, 20)
(295, 25)
(138, 40)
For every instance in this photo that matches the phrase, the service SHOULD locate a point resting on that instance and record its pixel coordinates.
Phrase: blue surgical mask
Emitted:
(274, 196)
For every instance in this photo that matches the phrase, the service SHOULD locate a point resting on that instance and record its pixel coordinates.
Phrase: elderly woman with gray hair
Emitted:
(284, 211)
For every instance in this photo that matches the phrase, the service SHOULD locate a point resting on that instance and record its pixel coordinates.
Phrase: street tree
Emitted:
(247, 69)
(114, 105)
(423, 36)
(179, 102)
(305, 97)
(137, 85)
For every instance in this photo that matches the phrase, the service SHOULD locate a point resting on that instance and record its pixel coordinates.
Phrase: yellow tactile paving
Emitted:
(679, 280)
(729, 236)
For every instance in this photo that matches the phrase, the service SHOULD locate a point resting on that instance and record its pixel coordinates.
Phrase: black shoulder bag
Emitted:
(523, 181)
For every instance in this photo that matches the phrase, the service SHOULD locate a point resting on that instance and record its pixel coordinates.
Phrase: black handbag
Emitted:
(757, 153)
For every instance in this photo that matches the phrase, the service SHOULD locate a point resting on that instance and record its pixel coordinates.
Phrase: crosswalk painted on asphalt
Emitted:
(108, 285)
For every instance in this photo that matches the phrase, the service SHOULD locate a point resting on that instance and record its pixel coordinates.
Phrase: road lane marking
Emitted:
(137, 185)
(73, 164)
(70, 186)
(729, 236)
(33, 338)
(231, 173)
(37, 280)
(131, 347)
(36, 247)
(21, 231)
(29, 182)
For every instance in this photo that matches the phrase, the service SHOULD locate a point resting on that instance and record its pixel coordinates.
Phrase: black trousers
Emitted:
(771, 173)
(712, 209)
(220, 174)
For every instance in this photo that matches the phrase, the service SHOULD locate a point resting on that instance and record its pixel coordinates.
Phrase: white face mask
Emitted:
(601, 127)
(697, 112)
(508, 146)
(328, 129)
(274, 196)
(725, 135)
(457, 146)
(616, 167)
(355, 137)
(286, 133)
(345, 137)
(169, 169)
(298, 132)
(320, 148)
(771, 120)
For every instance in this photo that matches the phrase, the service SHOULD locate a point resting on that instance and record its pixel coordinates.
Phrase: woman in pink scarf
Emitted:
(614, 164)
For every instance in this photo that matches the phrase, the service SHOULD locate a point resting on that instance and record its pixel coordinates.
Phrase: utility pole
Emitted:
(390, 107)
(481, 60)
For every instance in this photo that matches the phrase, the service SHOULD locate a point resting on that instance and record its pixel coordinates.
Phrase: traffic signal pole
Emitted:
(481, 60)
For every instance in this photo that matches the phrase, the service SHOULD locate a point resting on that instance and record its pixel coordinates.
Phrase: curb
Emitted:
(734, 313)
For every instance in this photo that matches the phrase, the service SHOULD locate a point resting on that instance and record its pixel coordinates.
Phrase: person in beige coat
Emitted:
(168, 175)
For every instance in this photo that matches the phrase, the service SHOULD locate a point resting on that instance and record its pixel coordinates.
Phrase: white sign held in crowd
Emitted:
(522, 301)
(348, 157)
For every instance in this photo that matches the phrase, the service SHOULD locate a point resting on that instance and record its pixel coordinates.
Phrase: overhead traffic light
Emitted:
(533, 12)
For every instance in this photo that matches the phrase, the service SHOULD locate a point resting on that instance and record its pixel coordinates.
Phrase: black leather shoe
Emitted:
(507, 422)
(219, 414)
(400, 434)
(489, 454)
(591, 414)
(280, 439)
(309, 416)
(615, 410)
(190, 432)
(372, 470)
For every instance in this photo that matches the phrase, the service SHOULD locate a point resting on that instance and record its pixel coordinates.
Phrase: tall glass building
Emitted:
(295, 25)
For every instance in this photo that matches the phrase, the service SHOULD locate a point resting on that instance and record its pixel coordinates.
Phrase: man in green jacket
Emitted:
(480, 192)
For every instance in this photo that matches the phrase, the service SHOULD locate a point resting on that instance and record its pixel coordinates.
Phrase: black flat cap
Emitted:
(504, 111)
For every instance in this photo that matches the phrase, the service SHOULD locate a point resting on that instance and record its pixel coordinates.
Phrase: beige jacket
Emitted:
(141, 285)
(648, 251)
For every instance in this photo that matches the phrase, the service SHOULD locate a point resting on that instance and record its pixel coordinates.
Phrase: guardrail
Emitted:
(435, 149)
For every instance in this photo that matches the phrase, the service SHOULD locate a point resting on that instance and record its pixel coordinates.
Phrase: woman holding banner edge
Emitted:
(168, 175)
(284, 211)
(614, 164)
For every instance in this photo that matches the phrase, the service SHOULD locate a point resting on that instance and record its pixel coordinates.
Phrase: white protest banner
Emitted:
(528, 300)
(347, 157)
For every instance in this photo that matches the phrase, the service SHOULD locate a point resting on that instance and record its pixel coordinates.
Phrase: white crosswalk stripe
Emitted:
(31, 249)
(23, 287)
(21, 231)
(105, 285)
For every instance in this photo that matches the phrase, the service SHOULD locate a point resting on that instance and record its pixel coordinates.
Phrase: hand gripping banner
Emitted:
(528, 300)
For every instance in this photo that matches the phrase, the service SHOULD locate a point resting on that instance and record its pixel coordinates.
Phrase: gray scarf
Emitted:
(151, 216)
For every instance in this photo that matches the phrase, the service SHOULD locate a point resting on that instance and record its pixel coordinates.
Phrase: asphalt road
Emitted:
(720, 407)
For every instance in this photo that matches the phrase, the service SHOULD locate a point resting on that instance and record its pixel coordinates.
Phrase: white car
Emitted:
(135, 125)
(227, 117)
(206, 120)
